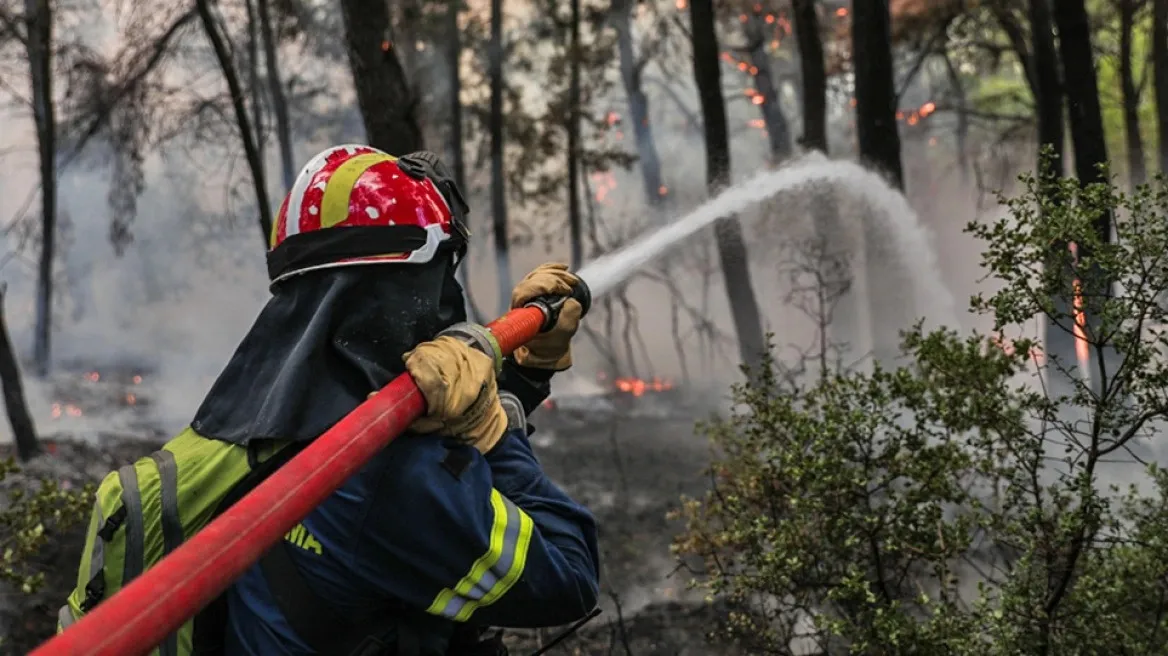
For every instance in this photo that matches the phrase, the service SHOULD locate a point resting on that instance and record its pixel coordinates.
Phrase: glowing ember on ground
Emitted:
(638, 386)
(66, 409)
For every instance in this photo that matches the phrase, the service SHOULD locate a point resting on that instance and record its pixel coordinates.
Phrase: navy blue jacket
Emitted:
(497, 543)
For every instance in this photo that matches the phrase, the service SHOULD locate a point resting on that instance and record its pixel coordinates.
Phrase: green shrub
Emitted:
(959, 504)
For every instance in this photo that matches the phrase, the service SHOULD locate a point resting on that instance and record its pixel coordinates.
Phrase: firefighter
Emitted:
(452, 528)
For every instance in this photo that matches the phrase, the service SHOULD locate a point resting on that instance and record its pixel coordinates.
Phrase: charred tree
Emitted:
(1048, 101)
(1137, 169)
(778, 130)
(253, 81)
(388, 105)
(454, 135)
(39, 46)
(814, 71)
(728, 232)
(23, 430)
(961, 133)
(1082, 93)
(1089, 143)
(247, 134)
(872, 63)
(1160, 72)
(631, 67)
(498, 184)
(278, 98)
(575, 239)
(1048, 89)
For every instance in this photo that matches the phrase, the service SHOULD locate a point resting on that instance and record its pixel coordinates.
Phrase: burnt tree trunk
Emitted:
(1082, 93)
(886, 281)
(778, 130)
(247, 134)
(1136, 166)
(574, 237)
(23, 430)
(388, 106)
(279, 99)
(876, 127)
(814, 72)
(1048, 101)
(1160, 73)
(728, 232)
(253, 81)
(498, 185)
(39, 46)
(631, 67)
(454, 136)
(1090, 148)
(961, 133)
(1048, 89)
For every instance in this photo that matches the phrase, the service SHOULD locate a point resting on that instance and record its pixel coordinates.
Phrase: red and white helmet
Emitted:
(353, 205)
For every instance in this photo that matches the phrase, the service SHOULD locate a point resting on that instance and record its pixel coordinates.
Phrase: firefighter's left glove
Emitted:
(553, 349)
(462, 396)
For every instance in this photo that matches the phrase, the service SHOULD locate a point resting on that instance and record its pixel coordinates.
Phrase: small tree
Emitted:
(953, 506)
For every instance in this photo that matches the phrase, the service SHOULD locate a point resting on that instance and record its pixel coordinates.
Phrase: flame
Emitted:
(662, 190)
(386, 45)
(1082, 348)
(681, 4)
(93, 376)
(612, 118)
(137, 380)
(638, 386)
(131, 399)
(842, 12)
(757, 123)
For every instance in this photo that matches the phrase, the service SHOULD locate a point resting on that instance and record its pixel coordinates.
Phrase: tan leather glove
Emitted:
(462, 396)
(553, 349)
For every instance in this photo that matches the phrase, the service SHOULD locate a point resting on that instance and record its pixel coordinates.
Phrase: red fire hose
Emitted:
(152, 606)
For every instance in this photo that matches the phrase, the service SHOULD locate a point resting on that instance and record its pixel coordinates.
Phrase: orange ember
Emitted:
(638, 386)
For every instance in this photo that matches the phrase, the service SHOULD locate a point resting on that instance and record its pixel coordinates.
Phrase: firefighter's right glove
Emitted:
(462, 396)
(551, 350)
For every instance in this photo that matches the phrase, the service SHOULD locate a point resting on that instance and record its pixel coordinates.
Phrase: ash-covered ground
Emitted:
(626, 450)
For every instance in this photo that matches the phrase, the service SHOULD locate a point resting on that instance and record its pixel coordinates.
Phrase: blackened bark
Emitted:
(23, 429)
(454, 71)
(1048, 101)
(1137, 168)
(387, 104)
(814, 75)
(1082, 93)
(246, 133)
(1048, 89)
(498, 186)
(962, 106)
(38, 44)
(728, 232)
(1090, 148)
(778, 131)
(279, 98)
(630, 71)
(575, 239)
(1160, 72)
(876, 126)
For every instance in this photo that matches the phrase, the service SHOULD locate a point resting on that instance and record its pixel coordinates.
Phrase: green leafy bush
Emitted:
(961, 503)
(30, 518)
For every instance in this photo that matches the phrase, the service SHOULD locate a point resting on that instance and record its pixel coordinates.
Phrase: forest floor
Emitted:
(629, 465)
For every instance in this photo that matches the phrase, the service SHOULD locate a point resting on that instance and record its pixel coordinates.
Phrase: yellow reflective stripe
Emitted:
(334, 207)
(493, 574)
